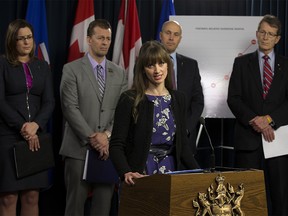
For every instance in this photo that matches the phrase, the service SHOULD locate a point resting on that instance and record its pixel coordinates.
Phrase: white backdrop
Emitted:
(214, 41)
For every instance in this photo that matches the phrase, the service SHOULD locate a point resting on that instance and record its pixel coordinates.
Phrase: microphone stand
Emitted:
(212, 155)
(199, 134)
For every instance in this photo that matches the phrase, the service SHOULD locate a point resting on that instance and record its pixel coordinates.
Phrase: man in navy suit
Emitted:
(260, 111)
(187, 77)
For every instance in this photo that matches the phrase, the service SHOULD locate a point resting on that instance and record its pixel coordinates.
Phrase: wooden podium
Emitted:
(173, 194)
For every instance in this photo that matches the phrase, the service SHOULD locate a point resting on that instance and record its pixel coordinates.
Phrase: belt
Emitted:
(161, 150)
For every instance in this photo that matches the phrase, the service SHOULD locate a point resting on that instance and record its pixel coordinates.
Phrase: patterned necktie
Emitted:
(267, 76)
(173, 75)
(101, 81)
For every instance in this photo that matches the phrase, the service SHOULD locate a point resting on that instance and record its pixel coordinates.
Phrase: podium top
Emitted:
(186, 171)
(209, 170)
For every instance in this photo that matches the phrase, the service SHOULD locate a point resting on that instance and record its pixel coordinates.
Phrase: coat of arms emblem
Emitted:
(221, 200)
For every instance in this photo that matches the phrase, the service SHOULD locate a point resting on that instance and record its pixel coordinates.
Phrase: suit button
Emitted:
(99, 127)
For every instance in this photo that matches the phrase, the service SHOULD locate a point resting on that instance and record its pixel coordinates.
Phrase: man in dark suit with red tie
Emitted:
(258, 97)
(186, 76)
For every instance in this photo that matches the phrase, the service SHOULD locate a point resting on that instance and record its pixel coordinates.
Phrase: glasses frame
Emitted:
(23, 38)
(270, 35)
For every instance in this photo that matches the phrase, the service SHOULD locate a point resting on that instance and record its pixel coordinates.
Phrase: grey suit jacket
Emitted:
(81, 106)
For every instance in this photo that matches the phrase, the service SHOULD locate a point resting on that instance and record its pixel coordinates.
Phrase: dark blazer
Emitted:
(13, 106)
(130, 142)
(14, 113)
(245, 98)
(189, 82)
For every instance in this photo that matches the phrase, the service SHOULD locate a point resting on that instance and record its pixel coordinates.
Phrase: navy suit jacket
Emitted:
(189, 82)
(246, 101)
(13, 88)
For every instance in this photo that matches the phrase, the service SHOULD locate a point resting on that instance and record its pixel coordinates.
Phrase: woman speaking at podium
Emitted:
(149, 134)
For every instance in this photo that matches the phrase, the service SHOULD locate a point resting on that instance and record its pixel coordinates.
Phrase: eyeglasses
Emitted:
(269, 34)
(23, 38)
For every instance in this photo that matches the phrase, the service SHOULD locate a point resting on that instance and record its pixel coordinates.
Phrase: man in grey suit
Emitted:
(88, 108)
(186, 75)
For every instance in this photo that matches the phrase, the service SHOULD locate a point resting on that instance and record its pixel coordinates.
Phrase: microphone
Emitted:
(212, 155)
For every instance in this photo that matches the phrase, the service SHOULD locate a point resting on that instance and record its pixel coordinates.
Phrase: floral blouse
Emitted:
(163, 133)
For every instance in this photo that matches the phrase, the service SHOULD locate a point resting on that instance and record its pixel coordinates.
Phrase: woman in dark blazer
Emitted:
(26, 104)
(149, 134)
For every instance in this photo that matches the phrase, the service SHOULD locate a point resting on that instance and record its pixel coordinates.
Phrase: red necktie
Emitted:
(267, 76)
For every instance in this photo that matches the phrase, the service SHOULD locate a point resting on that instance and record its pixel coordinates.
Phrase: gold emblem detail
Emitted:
(220, 201)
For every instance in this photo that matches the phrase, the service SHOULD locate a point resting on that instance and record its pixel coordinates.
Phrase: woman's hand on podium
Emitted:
(132, 175)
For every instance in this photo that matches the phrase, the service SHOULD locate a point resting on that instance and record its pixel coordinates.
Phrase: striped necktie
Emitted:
(100, 80)
(267, 76)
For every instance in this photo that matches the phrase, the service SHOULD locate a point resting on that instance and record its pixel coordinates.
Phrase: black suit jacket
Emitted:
(189, 82)
(13, 109)
(245, 98)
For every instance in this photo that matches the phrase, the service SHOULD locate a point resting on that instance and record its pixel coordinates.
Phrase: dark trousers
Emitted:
(276, 177)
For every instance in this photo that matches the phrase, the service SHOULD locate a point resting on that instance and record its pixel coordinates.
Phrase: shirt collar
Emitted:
(173, 55)
(271, 54)
(94, 63)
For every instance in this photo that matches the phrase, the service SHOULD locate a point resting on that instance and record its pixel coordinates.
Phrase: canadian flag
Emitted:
(84, 15)
(128, 38)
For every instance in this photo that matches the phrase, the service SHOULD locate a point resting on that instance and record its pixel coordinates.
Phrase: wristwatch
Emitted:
(270, 121)
(108, 134)
(272, 124)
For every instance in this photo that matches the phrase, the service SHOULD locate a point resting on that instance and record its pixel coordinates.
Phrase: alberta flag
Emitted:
(167, 10)
(128, 38)
(36, 16)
